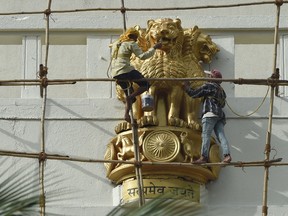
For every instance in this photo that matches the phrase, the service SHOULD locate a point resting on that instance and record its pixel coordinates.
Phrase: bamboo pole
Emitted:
(239, 81)
(42, 161)
(20, 84)
(240, 164)
(123, 11)
(138, 170)
(143, 9)
(43, 92)
(269, 130)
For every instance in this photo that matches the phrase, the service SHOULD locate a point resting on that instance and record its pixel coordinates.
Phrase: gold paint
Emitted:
(175, 135)
(172, 131)
(161, 146)
(181, 56)
(170, 188)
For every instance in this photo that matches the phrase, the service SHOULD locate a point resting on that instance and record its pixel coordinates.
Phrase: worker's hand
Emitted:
(157, 45)
(186, 85)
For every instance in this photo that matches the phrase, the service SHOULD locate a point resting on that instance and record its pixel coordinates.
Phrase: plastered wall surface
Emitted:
(80, 118)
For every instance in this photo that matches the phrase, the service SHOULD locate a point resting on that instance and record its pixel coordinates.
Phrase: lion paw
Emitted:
(177, 122)
(195, 126)
(148, 121)
(122, 126)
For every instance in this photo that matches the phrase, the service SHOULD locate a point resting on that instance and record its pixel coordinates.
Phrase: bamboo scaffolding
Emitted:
(42, 156)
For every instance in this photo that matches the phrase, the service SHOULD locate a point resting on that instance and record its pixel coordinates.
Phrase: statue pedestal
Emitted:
(167, 187)
(161, 144)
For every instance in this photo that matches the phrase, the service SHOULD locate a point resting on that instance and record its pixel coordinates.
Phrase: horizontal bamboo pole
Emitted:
(64, 119)
(239, 81)
(274, 162)
(141, 9)
(19, 84)
(284, 118)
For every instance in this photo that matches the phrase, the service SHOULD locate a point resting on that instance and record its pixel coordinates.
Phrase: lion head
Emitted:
(167, 31)
(200, 45)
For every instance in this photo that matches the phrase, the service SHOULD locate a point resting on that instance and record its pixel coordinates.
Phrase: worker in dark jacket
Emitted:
(213, 117)
(122, 70)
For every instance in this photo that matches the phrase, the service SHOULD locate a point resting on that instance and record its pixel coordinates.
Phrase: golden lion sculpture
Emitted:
(181, 55)
(177, 137)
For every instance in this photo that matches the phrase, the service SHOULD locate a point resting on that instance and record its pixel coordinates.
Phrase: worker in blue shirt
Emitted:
(213, 117)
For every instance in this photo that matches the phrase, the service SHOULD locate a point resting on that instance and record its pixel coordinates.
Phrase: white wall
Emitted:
(81, 117)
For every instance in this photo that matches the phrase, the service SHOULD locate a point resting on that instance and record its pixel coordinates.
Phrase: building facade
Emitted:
(80, 118)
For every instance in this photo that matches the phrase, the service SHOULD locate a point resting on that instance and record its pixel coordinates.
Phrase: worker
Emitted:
(213, 117)
(122, 70)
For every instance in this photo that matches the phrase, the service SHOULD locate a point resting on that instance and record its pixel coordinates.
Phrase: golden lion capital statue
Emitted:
(171, 131)
(181, 55)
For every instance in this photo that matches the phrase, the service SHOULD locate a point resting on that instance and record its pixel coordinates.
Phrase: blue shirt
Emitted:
(214, 97)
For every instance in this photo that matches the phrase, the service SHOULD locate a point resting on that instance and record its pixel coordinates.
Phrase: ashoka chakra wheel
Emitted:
(161, 146)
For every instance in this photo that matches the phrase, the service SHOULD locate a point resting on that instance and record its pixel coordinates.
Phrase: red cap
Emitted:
(216, 74)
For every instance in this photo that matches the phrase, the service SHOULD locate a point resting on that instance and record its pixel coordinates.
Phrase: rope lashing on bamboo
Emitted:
(279, 2)
(42, 74)
(138, 163)
(44, 82)
(43, 71)
(273, 80)
(277, 76)
(42, 157)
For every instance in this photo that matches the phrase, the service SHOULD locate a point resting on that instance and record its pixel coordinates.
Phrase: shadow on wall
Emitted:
(75, 114)
(243, 187)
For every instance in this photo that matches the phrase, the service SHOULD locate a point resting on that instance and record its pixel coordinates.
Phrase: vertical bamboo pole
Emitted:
(123, 11)
(42, 156)
(47, 14)
(138, 170)
(135, 136)
(269, 130)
